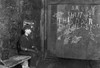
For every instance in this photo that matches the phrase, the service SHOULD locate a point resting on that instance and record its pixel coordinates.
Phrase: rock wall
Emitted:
(12, 15)
(10, 24)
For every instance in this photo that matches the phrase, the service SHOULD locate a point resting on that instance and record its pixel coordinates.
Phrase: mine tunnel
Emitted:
(49, 33)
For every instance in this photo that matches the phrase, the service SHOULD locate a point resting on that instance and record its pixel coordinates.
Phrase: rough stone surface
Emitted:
(12, 15)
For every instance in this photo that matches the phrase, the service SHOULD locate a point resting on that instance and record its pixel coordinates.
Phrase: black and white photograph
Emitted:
(49, 33)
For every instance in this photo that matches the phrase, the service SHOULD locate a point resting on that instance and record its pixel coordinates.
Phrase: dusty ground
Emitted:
(68, 63)
(63, 63)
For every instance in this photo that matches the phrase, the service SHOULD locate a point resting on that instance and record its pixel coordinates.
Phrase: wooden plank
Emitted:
(93, 50)
(51, 29)
(13, 61)
(1, 66)
(42, 26)
(74, 1)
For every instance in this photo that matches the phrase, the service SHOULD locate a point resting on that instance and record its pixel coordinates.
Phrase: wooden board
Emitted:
(1, 66)
(13, 61)
(74, 1)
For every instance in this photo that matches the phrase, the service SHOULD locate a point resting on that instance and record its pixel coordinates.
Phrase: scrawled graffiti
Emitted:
(72, 18)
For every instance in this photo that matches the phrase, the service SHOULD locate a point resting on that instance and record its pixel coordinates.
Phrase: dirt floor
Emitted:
(68, 63)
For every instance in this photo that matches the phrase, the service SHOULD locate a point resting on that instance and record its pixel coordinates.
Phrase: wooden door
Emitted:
(73, 28)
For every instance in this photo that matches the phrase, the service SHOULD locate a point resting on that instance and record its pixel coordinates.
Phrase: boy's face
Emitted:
(27, 31)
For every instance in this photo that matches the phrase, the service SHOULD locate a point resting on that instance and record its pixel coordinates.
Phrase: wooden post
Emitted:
(25, 64)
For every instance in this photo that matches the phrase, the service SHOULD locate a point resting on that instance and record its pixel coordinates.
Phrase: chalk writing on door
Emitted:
(72, 18)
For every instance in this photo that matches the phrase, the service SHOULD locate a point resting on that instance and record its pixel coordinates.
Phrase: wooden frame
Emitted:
(73, 1)
(88, 50)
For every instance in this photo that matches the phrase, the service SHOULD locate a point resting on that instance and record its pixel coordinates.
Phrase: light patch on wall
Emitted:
(76, 39)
